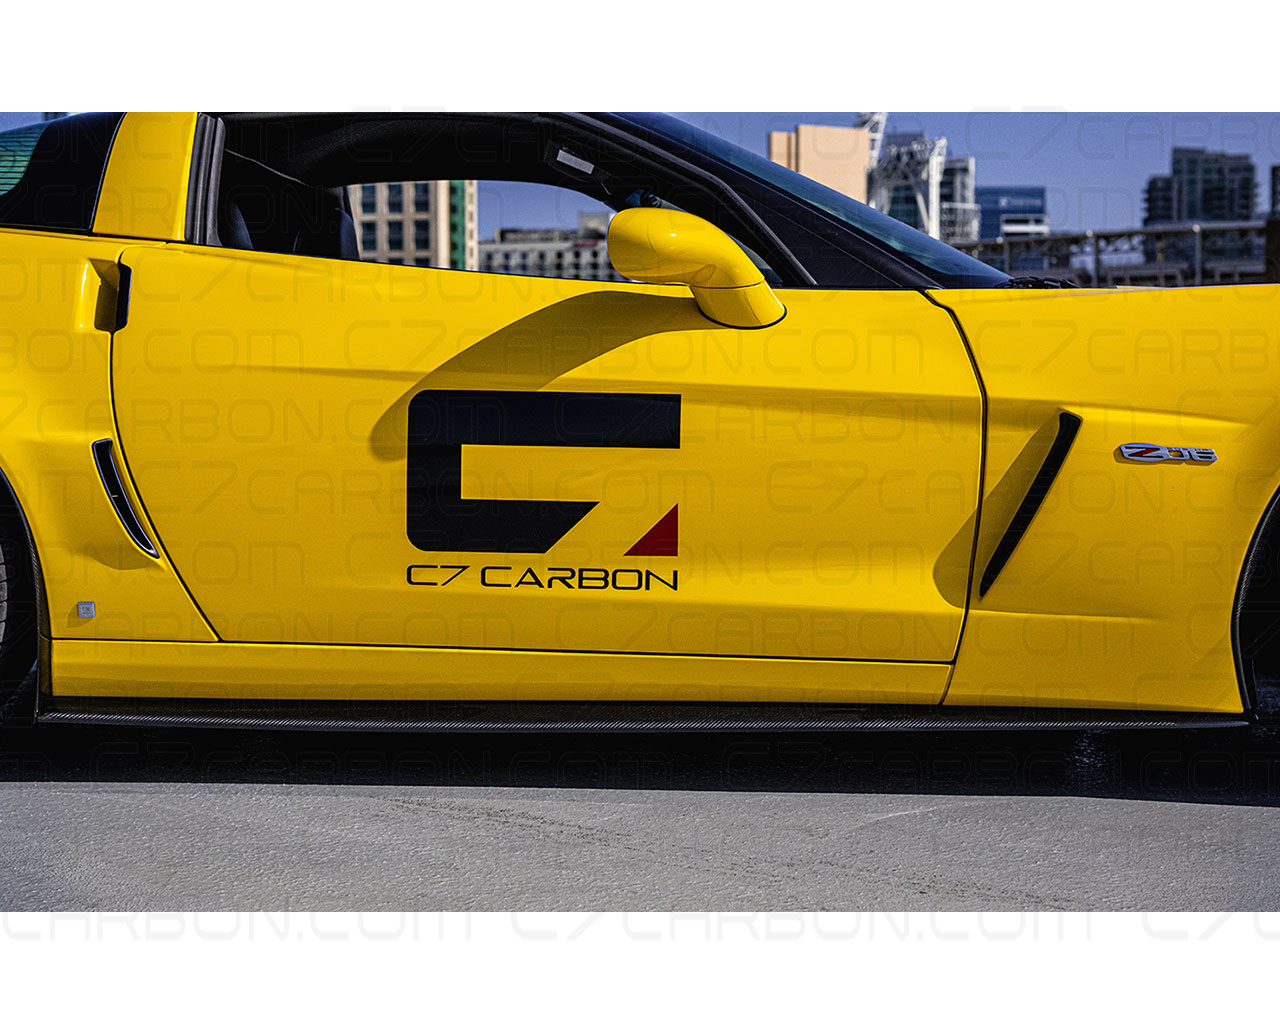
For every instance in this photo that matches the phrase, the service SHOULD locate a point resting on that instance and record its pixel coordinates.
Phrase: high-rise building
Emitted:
(833, 155)
(959, 211)
(1202, 186)
(1275, 190)
(552, 252)
(1012, 211)
(420, 223)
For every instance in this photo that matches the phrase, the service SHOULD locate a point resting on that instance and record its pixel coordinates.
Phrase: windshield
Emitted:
(740, 167)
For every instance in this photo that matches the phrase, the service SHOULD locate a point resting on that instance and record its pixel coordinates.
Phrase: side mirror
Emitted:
(659, 246)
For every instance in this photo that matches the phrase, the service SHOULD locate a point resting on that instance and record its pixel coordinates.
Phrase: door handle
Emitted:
(111, 306)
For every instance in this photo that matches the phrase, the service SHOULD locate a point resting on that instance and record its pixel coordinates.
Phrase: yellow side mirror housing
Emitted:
(659, 246)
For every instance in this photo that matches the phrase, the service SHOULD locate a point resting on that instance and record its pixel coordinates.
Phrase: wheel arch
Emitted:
(1255, 614)
(13, 518)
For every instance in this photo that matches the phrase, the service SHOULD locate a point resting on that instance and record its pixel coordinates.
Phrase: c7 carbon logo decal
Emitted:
(441, 422)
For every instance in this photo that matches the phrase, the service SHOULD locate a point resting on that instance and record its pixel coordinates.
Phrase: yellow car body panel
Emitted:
(144, 187)
(808, 511)
(55, 351)
(1120, 594)
(826, 472)
(280, 672)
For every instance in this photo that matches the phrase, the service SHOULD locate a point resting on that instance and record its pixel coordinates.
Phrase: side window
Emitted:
(525, 201)
(497, 227)
(417, 223)
(542, 231)
(262, 208)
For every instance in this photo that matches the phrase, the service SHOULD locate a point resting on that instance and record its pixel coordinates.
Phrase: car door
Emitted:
(353, 454)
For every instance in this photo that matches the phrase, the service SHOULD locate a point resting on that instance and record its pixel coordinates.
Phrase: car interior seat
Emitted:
(261, 209)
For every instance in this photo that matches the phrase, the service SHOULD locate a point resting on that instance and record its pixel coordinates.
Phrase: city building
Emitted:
(833, 155)
(959, 213)
(1275, 190)
(1012, 211)
(1201, 187)
(552, 252)
(419, 223)
(907, 176)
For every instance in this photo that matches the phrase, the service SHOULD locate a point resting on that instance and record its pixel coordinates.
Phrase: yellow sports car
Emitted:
(785, 463)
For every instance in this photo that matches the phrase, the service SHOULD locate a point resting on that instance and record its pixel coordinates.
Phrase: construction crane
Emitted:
(901, 162)
(874, 123)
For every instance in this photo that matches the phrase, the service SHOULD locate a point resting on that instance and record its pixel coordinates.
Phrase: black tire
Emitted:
(18, 627)
(1257, 618)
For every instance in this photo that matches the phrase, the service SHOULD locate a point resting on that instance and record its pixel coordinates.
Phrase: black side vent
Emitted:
(112, 484)
(1068, 427)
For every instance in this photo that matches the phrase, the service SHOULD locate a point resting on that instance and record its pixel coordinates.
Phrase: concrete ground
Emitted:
(115, 819)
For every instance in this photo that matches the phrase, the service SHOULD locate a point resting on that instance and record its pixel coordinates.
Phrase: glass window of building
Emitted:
(368, 198)
(395, 234)
(395, 197)
(422, 233)
(422, 196)
(368, 236)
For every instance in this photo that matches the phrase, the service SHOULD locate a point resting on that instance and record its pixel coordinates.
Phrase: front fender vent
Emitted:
(112, 484)
(1068, 427)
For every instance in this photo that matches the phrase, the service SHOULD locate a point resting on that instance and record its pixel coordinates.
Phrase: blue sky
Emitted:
(1094, 165)
(15, 119)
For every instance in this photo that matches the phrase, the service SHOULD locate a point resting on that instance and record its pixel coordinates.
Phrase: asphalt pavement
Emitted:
(126, 819)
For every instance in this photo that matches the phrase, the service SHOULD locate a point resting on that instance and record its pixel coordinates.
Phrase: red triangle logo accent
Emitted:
(662, 538)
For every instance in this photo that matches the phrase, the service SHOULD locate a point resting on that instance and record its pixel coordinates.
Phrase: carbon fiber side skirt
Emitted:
(574, 716)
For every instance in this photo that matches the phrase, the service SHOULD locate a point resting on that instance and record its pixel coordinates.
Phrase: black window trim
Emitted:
(204, 181)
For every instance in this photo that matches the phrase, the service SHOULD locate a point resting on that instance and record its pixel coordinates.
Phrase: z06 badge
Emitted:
(1159, 453)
